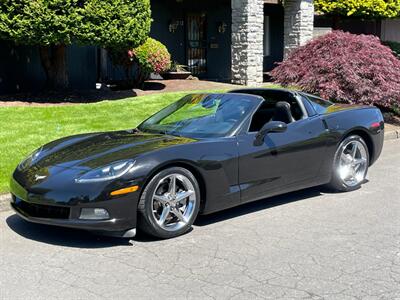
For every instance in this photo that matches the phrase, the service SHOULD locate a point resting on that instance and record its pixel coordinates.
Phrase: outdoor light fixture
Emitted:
(173, 25)
(222, 27)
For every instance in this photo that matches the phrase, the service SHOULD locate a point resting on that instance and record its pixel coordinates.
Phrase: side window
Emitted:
(319, 105)
(308, 106)
(263, 115)
(271, 111)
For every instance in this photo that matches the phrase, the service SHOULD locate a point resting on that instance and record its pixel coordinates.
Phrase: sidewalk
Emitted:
(392, 132)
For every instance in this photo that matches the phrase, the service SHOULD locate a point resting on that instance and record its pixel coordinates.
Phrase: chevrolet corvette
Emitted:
(201, 154)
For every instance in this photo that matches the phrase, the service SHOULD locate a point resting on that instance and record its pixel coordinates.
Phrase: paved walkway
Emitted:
(157, 86)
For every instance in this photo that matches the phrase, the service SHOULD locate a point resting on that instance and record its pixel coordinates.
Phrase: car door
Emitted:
(284, 162)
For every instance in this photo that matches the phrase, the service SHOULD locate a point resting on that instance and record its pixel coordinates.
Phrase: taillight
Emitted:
(375, 125)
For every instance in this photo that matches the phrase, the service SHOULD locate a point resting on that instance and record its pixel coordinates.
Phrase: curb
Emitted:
(5, 198)
(392, 135)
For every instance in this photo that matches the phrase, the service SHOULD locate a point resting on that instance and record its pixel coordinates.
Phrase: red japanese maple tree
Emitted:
(344, 67)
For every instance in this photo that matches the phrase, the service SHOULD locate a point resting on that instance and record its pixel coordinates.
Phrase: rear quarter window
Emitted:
(320, 105)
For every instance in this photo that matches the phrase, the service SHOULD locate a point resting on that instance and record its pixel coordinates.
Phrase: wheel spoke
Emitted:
(183, 195)
(164, 215)
(172, 185)
(353, 172)
(345, 158)
(354, 150)
(360, 161)
(345, 172)
(177, 212)
(161, 198)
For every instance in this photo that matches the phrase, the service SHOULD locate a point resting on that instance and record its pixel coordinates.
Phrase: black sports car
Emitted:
(202, 154)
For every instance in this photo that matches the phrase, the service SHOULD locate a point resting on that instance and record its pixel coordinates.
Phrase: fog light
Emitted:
(94, 214)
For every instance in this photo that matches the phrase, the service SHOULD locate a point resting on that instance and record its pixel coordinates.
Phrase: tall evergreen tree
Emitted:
(53, 24)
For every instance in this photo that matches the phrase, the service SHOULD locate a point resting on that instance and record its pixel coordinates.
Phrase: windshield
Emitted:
(201, 115)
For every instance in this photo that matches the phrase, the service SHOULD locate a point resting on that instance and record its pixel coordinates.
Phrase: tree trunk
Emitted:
(140, 76)
(53, 59)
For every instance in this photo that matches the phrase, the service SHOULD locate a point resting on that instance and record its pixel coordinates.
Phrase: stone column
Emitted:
(247, 41)
(299, 23)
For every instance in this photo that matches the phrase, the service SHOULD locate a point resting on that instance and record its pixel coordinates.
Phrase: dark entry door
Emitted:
(273, 35)
(196, 44)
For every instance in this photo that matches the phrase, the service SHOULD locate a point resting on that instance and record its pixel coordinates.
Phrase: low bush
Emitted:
(344, 67)
(152, 57)
(140, 62)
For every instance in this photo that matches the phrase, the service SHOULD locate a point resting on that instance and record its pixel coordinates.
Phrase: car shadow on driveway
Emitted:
(62, 236)
(259, 205)
(82, 239)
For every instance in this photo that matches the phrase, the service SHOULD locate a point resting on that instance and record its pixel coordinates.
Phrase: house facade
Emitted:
(232, 40)
(225, 40)
(388, 30)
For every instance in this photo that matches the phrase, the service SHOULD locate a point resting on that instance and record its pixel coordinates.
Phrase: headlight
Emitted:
(29, 160)
(109, 172)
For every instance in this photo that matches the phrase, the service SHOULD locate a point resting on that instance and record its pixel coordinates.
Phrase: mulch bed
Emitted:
(113, 93)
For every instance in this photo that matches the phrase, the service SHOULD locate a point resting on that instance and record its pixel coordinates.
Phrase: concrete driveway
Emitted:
(308, 244)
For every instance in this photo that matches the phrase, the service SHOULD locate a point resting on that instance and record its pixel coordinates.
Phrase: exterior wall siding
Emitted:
(353, 25)
(390, 30)
(21, 69)
(235, 55)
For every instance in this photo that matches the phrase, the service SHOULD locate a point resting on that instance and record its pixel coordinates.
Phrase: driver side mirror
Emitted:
(273, 126)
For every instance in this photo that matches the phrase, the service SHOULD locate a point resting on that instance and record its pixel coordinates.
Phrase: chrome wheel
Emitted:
(353, 163)
(173, 202)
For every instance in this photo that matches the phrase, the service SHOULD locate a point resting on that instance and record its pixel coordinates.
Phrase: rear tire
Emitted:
(350, 165)
(169, 203)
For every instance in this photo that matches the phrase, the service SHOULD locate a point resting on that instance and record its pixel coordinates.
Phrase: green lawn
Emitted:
(23, 129)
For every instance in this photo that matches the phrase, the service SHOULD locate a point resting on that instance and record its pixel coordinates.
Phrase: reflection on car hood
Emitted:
(94, 150)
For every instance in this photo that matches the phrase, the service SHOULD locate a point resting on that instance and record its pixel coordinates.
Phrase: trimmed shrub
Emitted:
(140, 62)
(152, 56)
(344, 67)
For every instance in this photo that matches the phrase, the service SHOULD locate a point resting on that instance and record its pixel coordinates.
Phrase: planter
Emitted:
(175, 75)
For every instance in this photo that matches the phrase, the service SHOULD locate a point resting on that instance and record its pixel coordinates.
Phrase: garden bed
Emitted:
(92, 96)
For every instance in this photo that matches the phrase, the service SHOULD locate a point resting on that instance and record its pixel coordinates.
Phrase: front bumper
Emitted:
(37, 208)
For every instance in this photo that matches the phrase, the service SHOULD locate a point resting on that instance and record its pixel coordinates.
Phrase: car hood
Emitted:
(90, 151)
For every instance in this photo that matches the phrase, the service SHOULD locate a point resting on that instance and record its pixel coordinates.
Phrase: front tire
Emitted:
(169, 203)
(350, 165)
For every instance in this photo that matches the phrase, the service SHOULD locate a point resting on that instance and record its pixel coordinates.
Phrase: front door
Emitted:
(285, 161)
(196, 44)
